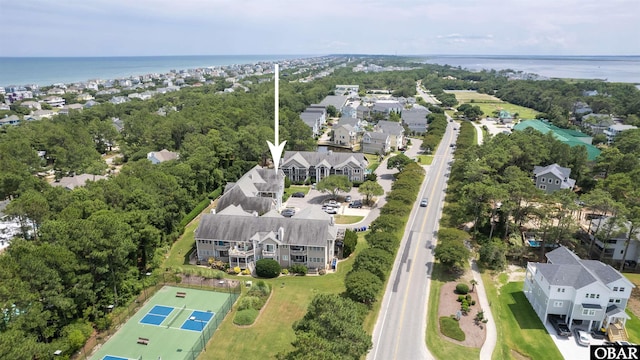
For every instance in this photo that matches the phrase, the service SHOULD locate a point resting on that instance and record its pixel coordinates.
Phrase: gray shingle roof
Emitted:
(244, 191)
(314, 158)
(566, 275)
(71, 182)
(304, 232)
(336, 100)
(415, 116)
(603, 272)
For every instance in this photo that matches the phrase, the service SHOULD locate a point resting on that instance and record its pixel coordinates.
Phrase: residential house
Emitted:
(597, 123)
(319, 109)
(55, 91)
(240, 239)
(590, 93)
(610, 240)
(395, 130)
(356, 123)
(54, 101)
(33, 105)
(346, 89)
(386, 107)
(84, 97)
(10, 120)
(67, 108)
(586, 292)
(376, 143)
(90, 104)
(72, 182)
(117, 123)
(415, 119)
(616, 129)
(363, 112)
(163, 155)
(4, 106)
(300, 166)
(9, 228)
(349, 111)
(552, 178)
(259, 191)
(334, 100)
(42, 114)
(581, 108)
(118, 100)
(345, 135)
(313, 120)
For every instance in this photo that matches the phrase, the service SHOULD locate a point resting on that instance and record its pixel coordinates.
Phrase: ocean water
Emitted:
(50, 70)
(612, 68)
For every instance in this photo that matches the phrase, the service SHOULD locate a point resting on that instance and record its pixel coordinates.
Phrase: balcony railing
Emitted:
(241, 251)
(266, 253)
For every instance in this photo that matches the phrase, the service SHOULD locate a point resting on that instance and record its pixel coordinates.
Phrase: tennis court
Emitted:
(176, 323)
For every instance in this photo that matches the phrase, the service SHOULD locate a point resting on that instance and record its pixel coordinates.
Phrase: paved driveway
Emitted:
(568, 346)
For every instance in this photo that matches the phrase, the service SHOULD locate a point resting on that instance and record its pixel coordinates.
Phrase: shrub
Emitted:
(246, 272)
(237, 270)
(285, 271)
(468, 298)
(460, 298)
(473, 302)
(267, 268)
(298, 269)
(249, 302)
(462, 288)
(245, 317)
(322, 271)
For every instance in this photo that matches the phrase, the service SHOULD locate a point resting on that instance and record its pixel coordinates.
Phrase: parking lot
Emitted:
(317, 198)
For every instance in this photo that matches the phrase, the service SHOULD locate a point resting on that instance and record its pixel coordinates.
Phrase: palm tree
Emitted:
(473, 284)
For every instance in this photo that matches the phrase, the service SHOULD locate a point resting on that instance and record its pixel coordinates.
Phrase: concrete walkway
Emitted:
(492, 335)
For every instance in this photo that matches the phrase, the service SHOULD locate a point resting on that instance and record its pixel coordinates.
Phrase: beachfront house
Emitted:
(585, 293)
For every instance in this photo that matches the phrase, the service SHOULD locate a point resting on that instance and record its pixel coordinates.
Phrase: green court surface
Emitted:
(176, 323)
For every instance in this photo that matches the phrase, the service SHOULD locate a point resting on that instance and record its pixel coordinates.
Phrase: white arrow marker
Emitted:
(276, 150)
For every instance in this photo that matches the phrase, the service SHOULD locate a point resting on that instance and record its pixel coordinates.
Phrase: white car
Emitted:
(581, 337)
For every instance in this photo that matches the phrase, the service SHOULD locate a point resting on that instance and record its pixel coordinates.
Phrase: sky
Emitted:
(318, 27)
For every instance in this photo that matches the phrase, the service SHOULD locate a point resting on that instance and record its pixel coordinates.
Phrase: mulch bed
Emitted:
(474, 334)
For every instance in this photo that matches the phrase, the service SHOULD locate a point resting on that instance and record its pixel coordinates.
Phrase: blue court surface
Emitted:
(109, 357)
(197, 321)
(152, 319)
(161, 310)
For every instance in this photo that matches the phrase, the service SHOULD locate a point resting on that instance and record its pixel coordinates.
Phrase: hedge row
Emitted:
(372, 266)
(467, 136)
(200, 207)
(435, 132)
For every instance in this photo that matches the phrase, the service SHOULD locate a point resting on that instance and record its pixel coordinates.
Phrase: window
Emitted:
(557, 304)
(285, 257)
(542, 180)
(270, 247)
(615, 288)
(588, 312)
(557, 182)
(562, 289)
(543, 187)
(621, 289)
(592, 296)
(586, 296)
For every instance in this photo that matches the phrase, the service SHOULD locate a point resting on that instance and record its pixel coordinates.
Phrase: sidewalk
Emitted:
(492, 335)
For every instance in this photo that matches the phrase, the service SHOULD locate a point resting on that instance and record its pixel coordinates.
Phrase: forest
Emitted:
(86, 249)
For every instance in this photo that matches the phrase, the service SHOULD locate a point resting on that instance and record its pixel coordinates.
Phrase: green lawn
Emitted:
(425, 159)
(440, 347)
(373, 161)
(272, 332)
(519, 328)
(488, 104)
(179, 253)
(347, 219)
(294, 189)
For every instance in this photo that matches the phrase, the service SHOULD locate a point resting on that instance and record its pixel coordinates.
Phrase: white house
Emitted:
(55, 101)
(376, 143)
(611, 240)
(395, 130)
(345, 135)
(580, 291)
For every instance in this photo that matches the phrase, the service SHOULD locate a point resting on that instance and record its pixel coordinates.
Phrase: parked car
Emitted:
(288, 212)
(424, 202)
(330, 210)
(347, 199)
(581, 337)
(331, 203)
(297, 195)
(356, 204)
(562, 329)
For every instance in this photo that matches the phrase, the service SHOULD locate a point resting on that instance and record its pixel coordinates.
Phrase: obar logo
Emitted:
(606, 352)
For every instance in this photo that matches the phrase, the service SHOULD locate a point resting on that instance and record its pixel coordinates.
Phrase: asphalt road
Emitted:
(400, 330)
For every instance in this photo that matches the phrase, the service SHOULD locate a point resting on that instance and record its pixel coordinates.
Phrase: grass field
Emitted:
(294, 189)
(272, 332)
(373, 161)
(425, 159)
(166, 321)
(488, 104)
(521, 334)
